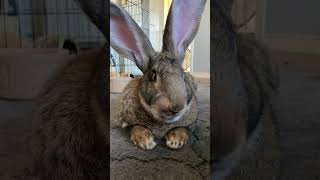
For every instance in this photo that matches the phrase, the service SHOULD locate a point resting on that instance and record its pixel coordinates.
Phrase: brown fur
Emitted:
(70, 138)
(70, 129)
(141, 136)
(131, 111)
(177, 133)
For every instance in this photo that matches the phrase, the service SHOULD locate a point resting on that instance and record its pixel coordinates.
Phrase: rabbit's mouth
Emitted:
(161, 112)
(174, 116)
(171, 117)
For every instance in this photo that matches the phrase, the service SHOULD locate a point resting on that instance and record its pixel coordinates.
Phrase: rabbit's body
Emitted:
(70, 136)
(162, 102)
(131, 111)
(259, 155)
(256, 154)
(70, 128)
(258, 76)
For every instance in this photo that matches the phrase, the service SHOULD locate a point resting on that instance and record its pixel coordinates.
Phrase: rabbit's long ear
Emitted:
(128, 39)
(182, 25)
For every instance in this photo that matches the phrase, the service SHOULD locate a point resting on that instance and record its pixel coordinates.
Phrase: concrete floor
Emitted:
(299, 115)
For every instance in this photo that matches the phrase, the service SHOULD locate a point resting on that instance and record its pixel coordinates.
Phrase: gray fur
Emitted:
(258, 76)
(229, 111)
(70, 137)
(70, 129)
(131, 111)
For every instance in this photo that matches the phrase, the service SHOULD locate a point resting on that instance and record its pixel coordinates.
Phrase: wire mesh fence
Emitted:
(47, 23)
(139, 11)
(23, 23)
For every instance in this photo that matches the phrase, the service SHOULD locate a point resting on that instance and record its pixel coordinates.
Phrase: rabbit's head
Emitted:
(164, 88)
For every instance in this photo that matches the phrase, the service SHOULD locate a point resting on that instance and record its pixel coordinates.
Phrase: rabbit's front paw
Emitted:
(142, 137)
(176, 138)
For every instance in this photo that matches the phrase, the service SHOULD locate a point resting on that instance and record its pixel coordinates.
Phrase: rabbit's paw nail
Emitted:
(176, 138)
(142, 137)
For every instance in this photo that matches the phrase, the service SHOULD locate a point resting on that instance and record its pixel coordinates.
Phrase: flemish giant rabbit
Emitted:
(162, 102)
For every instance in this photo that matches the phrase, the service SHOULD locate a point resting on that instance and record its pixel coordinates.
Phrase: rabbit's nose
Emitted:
(176, 108)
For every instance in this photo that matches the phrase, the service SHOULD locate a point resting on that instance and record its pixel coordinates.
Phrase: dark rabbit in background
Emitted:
(244, 143)
(162, 102)
(70, 138)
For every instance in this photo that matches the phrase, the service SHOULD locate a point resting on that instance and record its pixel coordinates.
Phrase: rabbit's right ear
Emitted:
(127, 38)
(182, 25)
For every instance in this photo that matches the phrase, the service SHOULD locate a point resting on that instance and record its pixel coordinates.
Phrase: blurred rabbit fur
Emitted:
(70, 128)
(162, 102)
(70, 133)
(245, 135)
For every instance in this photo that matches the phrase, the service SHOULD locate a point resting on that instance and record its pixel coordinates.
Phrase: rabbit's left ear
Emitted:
(182, 25)
(128, 39)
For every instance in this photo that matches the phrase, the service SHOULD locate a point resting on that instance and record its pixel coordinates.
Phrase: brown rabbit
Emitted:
(70, 139)
(162, 102)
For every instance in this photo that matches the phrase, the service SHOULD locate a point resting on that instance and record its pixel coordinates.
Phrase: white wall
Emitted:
(156, 23)
(292, 25)
(293, 16)
(201, 45)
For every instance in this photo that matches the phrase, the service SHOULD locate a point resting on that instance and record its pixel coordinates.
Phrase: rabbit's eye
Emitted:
(154, 75)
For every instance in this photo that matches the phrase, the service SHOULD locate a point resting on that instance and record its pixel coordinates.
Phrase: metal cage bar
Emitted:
(139, 11)
(46, 19)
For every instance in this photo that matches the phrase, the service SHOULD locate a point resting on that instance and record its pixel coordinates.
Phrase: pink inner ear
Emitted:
(184, 21)
(123, 36)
